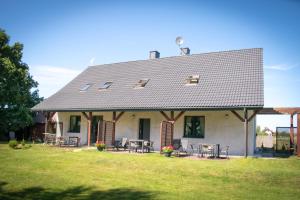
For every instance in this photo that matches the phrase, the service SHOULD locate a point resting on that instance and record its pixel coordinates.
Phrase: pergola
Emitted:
(287, 111)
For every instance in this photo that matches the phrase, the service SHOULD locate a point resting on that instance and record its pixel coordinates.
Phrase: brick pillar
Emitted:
(291, 131)
(246, 131)
(298, 134)
(90, 127)
(114, 117)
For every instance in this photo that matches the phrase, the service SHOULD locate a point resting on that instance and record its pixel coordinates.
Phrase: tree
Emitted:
(258, 130)
(18, 91)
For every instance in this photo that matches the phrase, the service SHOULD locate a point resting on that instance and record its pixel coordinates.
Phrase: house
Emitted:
(207, 98)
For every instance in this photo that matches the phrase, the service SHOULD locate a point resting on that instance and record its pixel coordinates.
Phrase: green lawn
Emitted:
(43, 172)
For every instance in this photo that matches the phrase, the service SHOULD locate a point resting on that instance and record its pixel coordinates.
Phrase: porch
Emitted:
(224, 127)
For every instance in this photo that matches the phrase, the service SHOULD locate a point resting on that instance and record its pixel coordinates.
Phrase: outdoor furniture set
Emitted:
(71, 141)
(182, 147)
(134, 145)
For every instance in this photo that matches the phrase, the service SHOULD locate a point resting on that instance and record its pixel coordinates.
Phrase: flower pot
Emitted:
(100, 148)
(167, 154)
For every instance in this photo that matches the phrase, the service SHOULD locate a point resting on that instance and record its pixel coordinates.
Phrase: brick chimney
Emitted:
(154, 54)
(185, 51)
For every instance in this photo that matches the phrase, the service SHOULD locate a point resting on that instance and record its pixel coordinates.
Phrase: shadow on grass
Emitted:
(282, 155)
(77, 193)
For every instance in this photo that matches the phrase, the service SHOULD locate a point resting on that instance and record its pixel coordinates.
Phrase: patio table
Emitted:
(216, 150)
(137, 141)
(77, 140)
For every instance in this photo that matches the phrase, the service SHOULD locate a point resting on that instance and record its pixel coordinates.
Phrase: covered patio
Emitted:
(106, 129)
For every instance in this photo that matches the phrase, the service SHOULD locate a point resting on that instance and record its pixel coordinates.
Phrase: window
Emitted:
(141, 83)
(105, 85)
(194, 126)
(192, 80)
(75, 124)
(85, 87)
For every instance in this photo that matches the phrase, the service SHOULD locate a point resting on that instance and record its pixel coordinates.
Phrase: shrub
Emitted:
(262, 146)
(100, 145)
(13, 144)
(283, 147)
(23, 142)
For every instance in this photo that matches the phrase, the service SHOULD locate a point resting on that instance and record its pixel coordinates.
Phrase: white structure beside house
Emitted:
(210, 98)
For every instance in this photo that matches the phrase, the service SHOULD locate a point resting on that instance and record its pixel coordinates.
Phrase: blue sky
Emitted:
(62, 38)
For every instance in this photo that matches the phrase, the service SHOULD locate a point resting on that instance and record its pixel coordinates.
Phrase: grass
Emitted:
(43, 172)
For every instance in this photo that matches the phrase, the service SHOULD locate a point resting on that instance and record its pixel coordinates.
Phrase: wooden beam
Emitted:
(114, 114)
(286, 110)
(172, 116)
(90, 117)
(253, 115)
(238, 116)
(160, 136)
(85, 115)
(98, 131)
(172, 133)
(119, 116)
(51, 114)
(298, 135)
(165, 115)
(246, 119)
(246, 131)
(46, 121)
(179, 115)
(289, 110)
(48, 117)
(292, 130)
(114, 117)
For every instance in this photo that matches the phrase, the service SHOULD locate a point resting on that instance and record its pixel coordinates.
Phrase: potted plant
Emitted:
(167, 150)
(100, 145)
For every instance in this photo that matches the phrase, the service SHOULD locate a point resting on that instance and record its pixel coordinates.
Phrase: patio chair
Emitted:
(224, 151)
(122, 144)
(207, 149)
(148, 146)
(50, 138)
(60, 141)
(176, 144)
(73, 141)
(183, 147)
(193, 149)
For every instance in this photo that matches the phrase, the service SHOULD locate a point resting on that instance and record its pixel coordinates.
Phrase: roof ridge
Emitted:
(168, 57)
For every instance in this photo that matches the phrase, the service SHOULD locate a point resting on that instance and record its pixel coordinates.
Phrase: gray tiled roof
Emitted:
(228, 79)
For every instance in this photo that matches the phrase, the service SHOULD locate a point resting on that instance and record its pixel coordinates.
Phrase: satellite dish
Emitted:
(179, 41)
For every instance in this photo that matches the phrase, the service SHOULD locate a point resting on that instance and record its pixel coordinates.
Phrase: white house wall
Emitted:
(219, 128)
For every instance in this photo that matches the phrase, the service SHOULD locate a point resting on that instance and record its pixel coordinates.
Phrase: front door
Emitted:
(144, 129)
(95, 121)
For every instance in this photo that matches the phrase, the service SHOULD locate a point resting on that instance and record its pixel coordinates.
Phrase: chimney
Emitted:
(154, 54)
(185, 51)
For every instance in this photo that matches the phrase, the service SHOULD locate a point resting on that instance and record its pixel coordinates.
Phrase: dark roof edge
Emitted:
(150, 109)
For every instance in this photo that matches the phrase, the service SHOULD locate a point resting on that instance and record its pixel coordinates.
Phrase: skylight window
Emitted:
(192, 80)
(104, 86)
(141, 83)
(85, 87)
